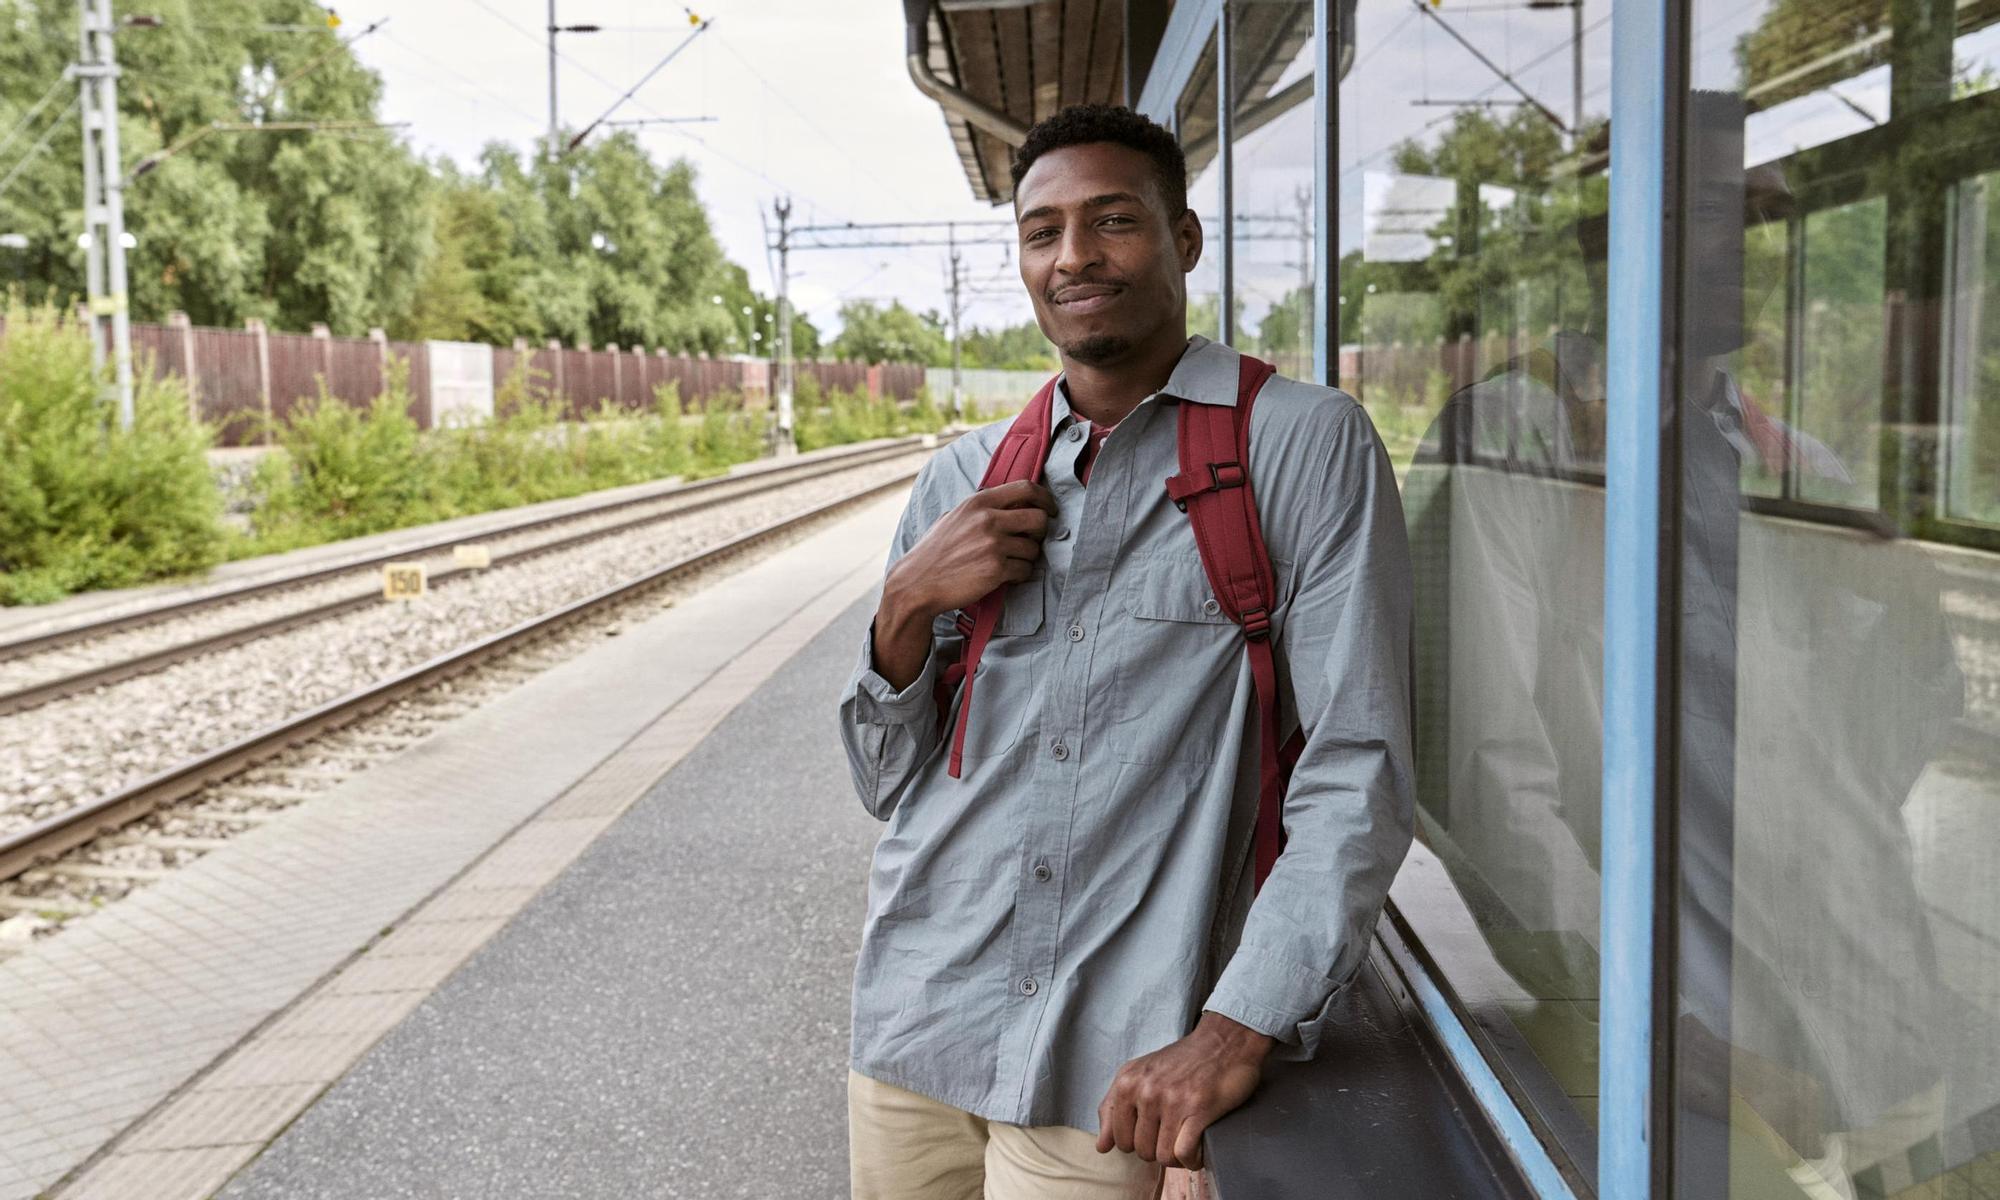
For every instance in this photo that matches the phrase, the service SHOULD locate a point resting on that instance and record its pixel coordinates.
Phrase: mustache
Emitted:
(1056, 295)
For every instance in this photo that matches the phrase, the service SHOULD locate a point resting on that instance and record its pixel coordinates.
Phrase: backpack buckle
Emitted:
(1182, 488)
(1256, 624)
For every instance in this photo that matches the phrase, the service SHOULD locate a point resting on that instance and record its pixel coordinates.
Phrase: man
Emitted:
(1064, 978)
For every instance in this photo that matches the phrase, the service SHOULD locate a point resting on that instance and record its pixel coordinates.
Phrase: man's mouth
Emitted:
(1086, 297)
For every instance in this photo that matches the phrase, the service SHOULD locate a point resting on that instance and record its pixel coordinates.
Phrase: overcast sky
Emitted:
(811, 99)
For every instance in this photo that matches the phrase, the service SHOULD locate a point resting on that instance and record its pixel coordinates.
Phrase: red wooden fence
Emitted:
(247, 382)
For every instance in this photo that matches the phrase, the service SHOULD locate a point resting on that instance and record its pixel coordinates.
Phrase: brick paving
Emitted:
(182, 989)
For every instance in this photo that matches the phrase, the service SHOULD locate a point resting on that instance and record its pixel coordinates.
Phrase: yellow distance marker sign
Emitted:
(472, 554)
(402, 580)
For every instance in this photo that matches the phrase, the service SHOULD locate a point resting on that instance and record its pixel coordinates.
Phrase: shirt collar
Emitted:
(1205, 374)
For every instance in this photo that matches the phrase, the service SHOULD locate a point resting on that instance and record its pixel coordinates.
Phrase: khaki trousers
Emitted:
(903, 1146)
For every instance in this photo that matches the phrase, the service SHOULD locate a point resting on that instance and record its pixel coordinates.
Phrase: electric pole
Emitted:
(104, 201)
(957, 307)
(786, 443)
(1576, 77)
(552, 79)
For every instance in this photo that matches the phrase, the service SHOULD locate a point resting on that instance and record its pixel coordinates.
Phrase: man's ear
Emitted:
(1187, 238)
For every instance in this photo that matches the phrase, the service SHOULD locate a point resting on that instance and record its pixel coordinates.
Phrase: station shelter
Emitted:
(1680, 320)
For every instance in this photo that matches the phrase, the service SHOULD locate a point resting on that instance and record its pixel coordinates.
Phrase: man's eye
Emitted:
(1117, 219)
(1040, 235)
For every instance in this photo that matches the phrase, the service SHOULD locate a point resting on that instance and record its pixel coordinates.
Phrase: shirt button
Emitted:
(1060, 533)
(1210, 607)
(1060, 751)
(1028, 986)
(1042, 873)
(1076, 633)
(1076, 433)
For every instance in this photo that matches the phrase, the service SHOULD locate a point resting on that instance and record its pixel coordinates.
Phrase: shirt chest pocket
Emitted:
(1180, 660)
(1005, 695)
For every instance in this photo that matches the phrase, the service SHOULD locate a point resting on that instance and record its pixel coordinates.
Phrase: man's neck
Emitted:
(1105, 393)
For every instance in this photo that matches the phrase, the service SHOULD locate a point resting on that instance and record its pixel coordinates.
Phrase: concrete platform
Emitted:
(668, 1019)
(163, 1041)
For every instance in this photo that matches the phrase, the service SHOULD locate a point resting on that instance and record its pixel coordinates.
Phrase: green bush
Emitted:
(345, 472)
(84, 504)
(855, 416)
(726, 435)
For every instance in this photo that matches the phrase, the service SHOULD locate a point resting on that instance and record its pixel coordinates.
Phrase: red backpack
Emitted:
(1213, 489)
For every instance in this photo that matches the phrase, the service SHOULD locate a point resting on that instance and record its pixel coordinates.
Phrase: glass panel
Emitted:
(1761, 366)
(1837, 711)
(1972, 367)
(1472, 266)
(1271, 172)
(1840, 395)
(1195, 125)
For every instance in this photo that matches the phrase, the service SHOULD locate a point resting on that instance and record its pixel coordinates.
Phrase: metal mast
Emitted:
(957, 308)
(552, 79)
(786, 444)
(104, 201)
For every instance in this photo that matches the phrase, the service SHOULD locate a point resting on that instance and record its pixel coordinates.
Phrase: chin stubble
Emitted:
(1098, 350)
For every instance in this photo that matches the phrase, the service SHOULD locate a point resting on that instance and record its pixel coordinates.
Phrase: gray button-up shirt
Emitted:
(1083, 891)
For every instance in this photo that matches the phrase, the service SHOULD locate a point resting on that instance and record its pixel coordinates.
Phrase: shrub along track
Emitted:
(66, 863)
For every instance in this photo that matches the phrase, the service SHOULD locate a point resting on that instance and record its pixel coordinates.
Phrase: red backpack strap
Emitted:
(1020, 455)
(1213, 489)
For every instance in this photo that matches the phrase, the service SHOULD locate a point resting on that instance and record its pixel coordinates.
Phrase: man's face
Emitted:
(1104, 262)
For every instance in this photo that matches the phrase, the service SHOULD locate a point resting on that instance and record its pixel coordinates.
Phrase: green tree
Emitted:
(295, 227)
(1009, 348)
(871, 333)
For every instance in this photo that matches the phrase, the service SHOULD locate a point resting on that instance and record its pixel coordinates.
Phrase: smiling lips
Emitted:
(1086, 297)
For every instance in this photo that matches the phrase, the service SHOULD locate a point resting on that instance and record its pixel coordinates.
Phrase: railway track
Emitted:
(64, 677)
(66, 864)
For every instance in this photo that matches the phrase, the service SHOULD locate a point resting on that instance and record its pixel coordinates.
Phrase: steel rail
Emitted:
(56, 638)
(45, 840)
(49, 690)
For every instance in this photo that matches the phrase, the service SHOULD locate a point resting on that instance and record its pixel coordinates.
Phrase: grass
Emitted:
(344, 472)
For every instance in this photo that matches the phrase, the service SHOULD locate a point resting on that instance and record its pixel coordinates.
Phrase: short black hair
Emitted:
(1082, 124)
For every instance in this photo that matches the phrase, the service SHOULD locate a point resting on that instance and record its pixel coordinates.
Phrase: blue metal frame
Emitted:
(1636, 358)
(1326, 230)
(1512, 1124)
(1225, 165)
(1188, 28)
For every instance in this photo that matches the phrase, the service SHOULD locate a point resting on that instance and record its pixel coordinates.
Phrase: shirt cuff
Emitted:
(1270, 995)
(880, 702)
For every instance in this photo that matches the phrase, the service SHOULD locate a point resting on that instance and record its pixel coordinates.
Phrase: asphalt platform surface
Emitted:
(669, 1018)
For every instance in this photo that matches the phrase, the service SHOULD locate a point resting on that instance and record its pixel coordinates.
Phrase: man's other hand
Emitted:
(1160, 1104)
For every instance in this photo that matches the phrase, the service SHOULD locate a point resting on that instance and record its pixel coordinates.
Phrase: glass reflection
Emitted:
(1195, 122)
(1839, 928)
(1271, 169)
(1472, 254)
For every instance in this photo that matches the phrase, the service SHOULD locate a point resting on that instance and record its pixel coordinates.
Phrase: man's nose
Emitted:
(1078, 252)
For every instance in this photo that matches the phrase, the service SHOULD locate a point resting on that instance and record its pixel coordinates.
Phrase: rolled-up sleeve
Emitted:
(889, 733)
(1349, 808)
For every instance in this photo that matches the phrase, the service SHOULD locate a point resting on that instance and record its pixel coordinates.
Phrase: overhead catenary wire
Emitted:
(40, 144)
(643, 81)
(774, 90)
(441, 65)
(28, 118)
(588, 73)
(1362, 162)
